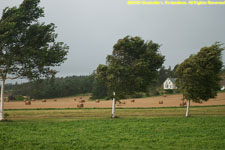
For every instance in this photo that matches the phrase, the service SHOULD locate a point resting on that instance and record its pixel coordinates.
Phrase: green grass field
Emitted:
(153, 128)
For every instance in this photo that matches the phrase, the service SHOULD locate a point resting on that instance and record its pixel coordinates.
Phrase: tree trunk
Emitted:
(113, 105)
(188, 106)
(2, 100)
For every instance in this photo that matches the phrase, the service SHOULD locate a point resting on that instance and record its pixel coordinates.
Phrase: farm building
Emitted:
(169, 84)
(222, 85)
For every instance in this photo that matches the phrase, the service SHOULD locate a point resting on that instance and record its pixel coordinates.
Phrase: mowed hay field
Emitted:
(168, 101)
(93, 129)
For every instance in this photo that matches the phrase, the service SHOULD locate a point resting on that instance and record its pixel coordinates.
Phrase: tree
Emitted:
(99, 85)
(132, 67)
(27, 48)
(199, 75)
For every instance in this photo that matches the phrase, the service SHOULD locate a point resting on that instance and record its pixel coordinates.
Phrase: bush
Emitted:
(19, 98)
(11, 97)
(137, 95)
(6, 116)
(177, 91)
(157, 93)
(154, 93)
(169, 91)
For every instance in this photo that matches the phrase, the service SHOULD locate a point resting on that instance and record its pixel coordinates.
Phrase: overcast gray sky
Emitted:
(92, 27)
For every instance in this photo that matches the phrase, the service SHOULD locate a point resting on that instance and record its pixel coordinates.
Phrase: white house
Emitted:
(222, 84)
(169, 84)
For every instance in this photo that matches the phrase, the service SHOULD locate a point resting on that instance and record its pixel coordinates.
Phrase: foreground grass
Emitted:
(139, 133)
(83, 129)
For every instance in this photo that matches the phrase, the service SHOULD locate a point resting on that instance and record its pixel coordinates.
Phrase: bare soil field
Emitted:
(72, 102)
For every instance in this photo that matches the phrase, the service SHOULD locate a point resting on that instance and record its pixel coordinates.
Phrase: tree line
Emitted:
(73, 85)
(124, 74)
(53, 87)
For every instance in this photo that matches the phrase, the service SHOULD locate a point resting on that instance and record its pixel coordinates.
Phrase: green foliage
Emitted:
(131, 68)
(55, 87)
(27, 47)
(11, 97)
(99, 87)
(154, 92)
(199, 75)
(6, 116)
(99, 90)
(19, 98)
(121, 134)
(169, 91)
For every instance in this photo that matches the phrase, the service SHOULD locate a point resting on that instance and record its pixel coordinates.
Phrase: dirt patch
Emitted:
(71, 102)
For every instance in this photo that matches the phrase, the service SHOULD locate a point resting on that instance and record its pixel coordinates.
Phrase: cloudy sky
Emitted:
(92, 27)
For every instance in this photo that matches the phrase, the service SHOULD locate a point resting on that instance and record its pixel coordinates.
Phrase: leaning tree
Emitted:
(132, 67)
(28, 49)
(199, 75)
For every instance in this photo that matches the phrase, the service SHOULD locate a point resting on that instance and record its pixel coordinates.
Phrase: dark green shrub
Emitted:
(19, 98)
(169, 91)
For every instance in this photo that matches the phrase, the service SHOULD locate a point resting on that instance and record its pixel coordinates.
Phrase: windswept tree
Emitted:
(133, 65)
(28, 49)
(199, 75)
(131, 68)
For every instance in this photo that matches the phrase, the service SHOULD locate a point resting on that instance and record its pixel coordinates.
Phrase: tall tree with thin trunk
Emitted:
(27, 48)
(199, 75)
(131, 68)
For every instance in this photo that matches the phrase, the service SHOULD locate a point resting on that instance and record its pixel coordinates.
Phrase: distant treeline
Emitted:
(74, 85)
(54, 87)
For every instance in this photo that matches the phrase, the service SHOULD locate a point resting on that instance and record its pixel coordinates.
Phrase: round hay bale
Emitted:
(97, 101)
(82, 101)
(80, 105)
(44, 100)
(6, 99)
(75, 99)
(55, 100)
(33, 100)
(28, 103)
(132, 101)
(160, 102)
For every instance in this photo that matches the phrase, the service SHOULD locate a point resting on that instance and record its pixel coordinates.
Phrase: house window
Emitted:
(166, 86)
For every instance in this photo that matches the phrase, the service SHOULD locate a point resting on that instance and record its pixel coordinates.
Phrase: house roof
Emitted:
(173, 79)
